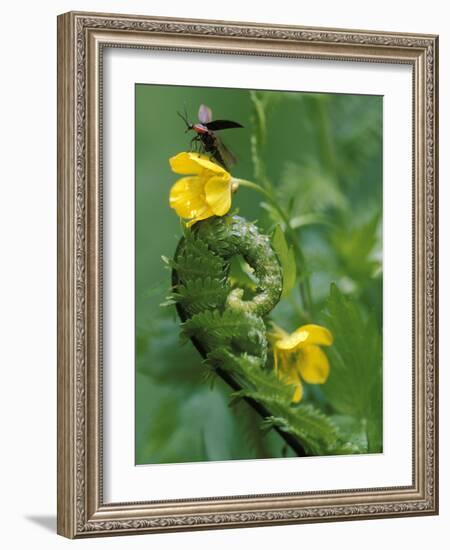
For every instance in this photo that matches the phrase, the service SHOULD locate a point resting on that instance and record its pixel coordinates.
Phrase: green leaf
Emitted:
(241, 275)
(354, 386)
(286, 258)
(353, 431)
(312, 218)
(358, 247)
(310, 187)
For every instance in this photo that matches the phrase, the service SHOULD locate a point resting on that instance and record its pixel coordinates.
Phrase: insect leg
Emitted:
(193, 145)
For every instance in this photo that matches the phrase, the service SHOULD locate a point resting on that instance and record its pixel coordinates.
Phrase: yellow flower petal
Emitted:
(279, 361)
(276, 333)
(305, 335)
(183, 163)
(218, 195)
(298, 393)
(194, 163)
(187, 197)
(294, 380)
(206, 213)
(287, 372)
(207, 164)
(313, 365)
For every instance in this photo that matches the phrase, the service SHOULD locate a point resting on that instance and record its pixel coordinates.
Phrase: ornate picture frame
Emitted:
(82, 38)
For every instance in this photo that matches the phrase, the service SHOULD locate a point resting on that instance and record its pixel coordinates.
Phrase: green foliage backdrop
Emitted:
(323, 154)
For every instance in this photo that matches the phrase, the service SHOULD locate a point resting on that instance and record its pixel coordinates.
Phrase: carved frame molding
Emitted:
(81, 39)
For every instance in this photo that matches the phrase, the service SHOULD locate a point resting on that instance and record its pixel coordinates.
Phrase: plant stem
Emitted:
(324, 134)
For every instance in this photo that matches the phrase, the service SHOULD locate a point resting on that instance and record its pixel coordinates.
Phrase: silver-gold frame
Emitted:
(82, 38)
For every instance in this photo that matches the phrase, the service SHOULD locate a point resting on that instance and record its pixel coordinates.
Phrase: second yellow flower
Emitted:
(299, 356)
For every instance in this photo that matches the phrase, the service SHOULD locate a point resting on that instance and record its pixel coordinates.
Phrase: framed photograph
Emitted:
(247, 276)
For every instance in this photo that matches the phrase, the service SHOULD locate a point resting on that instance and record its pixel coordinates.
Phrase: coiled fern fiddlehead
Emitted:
(226, 327)
(228, 324)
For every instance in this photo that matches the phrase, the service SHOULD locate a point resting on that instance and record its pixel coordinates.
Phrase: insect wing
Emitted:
(222, 125)
(225, 153)
(204, 114)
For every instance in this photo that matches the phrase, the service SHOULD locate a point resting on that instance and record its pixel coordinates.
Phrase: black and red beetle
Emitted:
(205, 138)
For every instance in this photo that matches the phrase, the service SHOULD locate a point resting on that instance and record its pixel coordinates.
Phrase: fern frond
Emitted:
(197, 295)
(241, 331)
(196, 260)
(315, 431)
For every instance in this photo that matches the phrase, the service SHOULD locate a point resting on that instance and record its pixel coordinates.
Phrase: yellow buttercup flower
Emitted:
(298, 356)
(204, 192)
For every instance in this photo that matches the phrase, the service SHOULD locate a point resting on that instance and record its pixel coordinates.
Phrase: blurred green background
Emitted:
(323, 152)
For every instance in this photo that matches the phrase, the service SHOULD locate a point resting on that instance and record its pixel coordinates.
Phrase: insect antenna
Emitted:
(184, 118)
